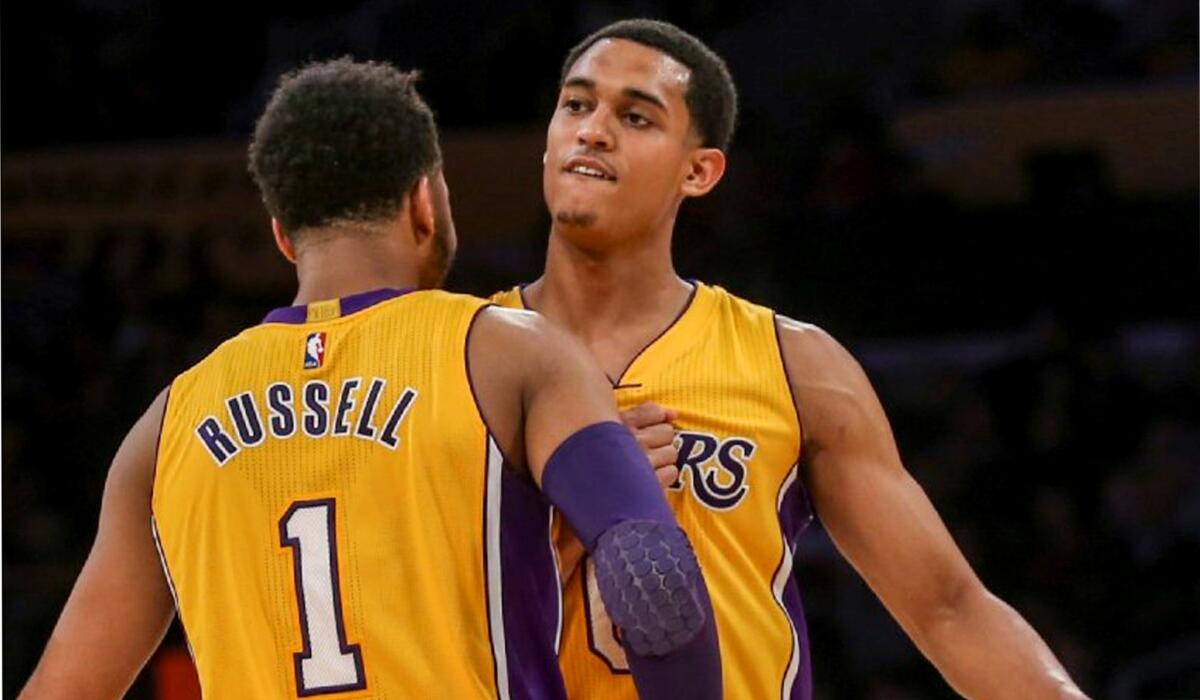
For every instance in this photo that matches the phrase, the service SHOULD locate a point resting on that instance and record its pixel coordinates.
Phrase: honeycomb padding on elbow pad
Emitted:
(648, 578)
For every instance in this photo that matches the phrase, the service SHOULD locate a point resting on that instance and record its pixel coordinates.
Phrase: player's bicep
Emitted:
(566, 392)
(121, 604)
(535, 384)
(876, 513)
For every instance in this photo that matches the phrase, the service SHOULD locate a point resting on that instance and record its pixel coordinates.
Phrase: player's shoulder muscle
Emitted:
(520, 346)
(512, 356)
(831, 389)
(809, 346)
(134, 461)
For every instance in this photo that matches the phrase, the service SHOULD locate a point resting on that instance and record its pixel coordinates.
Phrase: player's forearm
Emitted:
(987, 651)
(81, 666)
(113, 621)
(647, 573)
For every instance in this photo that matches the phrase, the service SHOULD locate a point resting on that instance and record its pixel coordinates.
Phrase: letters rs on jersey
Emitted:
(334, 519)
(714, 468)
(737, 496)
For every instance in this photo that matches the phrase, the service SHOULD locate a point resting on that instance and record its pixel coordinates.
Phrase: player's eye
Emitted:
(637, 120)
(574, 105)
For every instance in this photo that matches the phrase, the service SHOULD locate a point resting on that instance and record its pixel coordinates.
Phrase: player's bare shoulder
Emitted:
(521, 341)
(517, 361)
(135, 458)
(811, 353)
(833, 395)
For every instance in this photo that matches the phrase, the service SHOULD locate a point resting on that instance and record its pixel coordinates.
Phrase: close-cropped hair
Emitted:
(711, 96)
(342, 140)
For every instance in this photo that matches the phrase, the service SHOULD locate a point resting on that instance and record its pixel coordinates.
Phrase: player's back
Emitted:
(328, 502)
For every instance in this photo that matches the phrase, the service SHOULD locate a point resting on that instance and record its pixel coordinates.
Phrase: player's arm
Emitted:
(552, 412)
(120, 607)
(881, 520)
(652, 428)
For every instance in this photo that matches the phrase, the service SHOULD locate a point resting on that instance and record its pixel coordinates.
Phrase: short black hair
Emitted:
(342, 140)
(711, 96)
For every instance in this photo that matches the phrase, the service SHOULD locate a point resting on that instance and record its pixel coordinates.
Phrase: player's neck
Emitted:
(346, 265)
(594, 293)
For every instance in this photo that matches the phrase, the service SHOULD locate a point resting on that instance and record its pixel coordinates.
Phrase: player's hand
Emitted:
(651, 425)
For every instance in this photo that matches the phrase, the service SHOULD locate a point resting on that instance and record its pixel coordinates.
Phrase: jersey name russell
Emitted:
(314, 408)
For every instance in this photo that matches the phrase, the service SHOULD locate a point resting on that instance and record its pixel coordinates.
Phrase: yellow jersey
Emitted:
(334, 519)
(738, 498)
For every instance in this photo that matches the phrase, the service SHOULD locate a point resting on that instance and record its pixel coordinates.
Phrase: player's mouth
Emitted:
(594, 168)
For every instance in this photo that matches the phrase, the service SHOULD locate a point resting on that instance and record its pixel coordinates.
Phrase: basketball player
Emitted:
(327, 492)
(774, 417)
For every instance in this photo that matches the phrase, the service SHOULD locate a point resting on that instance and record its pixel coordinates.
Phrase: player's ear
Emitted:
(421, 210)
(705, 169)
(282, 242)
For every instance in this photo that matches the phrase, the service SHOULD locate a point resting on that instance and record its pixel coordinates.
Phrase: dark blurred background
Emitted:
(993, 203)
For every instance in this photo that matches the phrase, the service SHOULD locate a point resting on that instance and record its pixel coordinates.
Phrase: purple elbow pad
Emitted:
(648, 576)
(691, 672)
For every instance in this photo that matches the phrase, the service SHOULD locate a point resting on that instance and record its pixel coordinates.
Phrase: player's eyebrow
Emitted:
(631, 92)
(644, 97)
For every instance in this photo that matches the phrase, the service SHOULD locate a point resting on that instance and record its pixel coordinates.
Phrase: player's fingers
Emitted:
(643, 415)
(662, 456)
(657, 435)
(666, 475)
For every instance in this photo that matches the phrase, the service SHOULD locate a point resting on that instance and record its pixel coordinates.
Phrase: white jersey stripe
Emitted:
(782, 575)
(495, 591)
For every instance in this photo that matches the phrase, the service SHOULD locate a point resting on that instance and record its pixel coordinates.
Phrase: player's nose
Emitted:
(595, 133)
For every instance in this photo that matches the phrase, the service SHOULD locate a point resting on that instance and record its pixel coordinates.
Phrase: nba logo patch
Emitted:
(314, 350)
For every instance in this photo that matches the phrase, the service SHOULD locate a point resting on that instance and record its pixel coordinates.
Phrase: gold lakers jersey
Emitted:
(334, 518)
(738, 497)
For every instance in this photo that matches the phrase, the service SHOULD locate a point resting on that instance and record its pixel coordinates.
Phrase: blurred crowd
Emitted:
(131, 69)
(1067, 466)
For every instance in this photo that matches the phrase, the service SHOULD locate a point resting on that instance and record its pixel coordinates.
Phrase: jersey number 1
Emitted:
(327, 663)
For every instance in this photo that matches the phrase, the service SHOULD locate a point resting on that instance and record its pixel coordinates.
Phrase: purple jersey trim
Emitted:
(616, 381)
(162, 555)
(795, 513)
(802, 687)
(530, 591)
(530, 588)
(349, 305)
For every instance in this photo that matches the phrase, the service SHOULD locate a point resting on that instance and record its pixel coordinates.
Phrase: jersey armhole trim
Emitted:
(162, 554)
(471, 380)
(162, 427)
(787, 377)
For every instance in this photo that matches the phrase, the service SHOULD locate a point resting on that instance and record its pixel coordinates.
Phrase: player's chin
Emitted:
(575, 217)
(584, 208)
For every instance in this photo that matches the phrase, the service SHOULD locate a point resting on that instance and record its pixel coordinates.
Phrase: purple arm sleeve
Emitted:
(648, 576)
(599, 477)
(692, 672)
